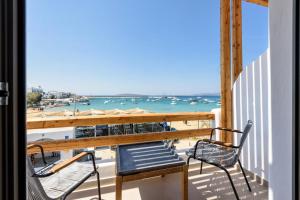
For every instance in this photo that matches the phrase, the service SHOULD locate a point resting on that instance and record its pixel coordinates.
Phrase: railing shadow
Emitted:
(211, 184)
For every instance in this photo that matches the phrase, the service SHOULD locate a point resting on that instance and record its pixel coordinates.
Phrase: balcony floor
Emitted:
(211, 184)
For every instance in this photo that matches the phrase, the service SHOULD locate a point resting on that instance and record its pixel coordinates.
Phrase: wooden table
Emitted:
(145, 160)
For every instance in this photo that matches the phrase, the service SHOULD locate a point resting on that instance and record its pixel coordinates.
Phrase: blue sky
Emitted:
(133, 46)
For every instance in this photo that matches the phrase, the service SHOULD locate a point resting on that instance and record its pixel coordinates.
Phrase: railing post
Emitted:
(237, 53)
(226, 98)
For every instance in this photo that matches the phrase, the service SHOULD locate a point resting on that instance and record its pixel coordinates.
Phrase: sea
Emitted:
(157, 104)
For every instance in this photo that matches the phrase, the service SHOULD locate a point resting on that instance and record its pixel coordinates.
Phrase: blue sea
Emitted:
(157, 104)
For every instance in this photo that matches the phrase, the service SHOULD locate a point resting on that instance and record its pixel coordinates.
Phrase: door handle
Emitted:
(4, 93)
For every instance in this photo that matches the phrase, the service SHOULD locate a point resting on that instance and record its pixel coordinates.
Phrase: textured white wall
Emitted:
(281, 71)
(250, 102)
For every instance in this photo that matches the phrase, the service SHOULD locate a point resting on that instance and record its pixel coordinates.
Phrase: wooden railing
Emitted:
(58, 145)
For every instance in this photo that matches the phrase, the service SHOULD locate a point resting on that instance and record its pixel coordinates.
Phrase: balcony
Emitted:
(211, 184)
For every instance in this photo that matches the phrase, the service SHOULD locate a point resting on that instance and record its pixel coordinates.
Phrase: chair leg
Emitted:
(201, 167)
(231, 182)
(249, 188)
(188, 160)
(98, 181)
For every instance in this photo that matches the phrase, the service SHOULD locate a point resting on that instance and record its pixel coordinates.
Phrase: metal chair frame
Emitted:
(44, 173)
(239, 147)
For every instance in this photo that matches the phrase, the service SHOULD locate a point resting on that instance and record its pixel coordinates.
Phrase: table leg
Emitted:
(119, 188)
(185, 192)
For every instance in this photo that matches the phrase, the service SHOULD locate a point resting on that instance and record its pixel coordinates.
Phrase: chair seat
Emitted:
(64, 181)
(214, 154)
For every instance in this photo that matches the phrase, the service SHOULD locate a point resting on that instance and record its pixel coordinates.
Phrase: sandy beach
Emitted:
(179, 125)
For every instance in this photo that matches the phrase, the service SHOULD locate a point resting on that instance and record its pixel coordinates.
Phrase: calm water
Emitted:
(151, 104)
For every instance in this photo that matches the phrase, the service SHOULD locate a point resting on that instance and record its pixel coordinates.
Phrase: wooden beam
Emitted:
(116, 119)
(152, 173)
(237, 53)
(259, 2)
(62, 145)
(226, 99)
(67, 162)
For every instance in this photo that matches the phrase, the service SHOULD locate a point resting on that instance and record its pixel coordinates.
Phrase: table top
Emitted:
(142, 157)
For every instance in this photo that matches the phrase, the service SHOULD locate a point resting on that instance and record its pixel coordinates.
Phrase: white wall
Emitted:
(50, 133)
(54, 134)
(250, 102)
(281, 70)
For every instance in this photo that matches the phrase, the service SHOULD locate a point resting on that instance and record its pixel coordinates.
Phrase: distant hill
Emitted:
(119, 95)
(131, 95)
(207, 94)
(142, 95)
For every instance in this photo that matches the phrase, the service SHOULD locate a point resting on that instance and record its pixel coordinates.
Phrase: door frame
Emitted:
(13, 115)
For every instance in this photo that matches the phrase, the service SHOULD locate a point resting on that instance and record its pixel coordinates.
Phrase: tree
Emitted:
(33, 98)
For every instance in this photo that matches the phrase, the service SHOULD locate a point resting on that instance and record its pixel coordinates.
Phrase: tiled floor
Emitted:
(211, 184)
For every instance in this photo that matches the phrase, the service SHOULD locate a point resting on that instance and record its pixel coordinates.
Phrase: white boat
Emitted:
(173, 103)
(106, 102)
(193, 103)
(83, 99)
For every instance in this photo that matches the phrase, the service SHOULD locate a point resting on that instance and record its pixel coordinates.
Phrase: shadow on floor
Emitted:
(211, 184)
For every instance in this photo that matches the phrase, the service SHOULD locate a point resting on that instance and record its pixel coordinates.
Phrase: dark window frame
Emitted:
(12, 116)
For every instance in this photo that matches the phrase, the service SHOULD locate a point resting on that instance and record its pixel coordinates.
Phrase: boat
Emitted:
(83, 99)
(193, 103)
(211, 101)
(106, 102)
(173, 103)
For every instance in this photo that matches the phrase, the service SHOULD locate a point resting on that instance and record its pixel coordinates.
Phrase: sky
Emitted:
(158, 47)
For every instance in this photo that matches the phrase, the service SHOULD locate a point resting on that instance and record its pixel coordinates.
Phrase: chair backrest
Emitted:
(244, 135)
(35, 190)
(116, 129)
(141, 128)
(128, 128)
(101, 130)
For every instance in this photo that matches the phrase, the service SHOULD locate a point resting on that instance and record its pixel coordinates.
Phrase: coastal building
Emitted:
(38, 89)
(57, 95)
(53, 134)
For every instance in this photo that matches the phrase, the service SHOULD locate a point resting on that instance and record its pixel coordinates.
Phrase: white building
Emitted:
(38, 89)
(53, 134)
